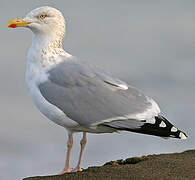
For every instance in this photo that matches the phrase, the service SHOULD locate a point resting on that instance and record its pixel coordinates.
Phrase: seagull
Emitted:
(80, 96)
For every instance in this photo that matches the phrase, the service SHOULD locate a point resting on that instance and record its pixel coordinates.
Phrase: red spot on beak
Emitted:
(12, 26)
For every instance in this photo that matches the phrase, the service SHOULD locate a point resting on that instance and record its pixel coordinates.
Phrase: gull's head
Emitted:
(43, 20)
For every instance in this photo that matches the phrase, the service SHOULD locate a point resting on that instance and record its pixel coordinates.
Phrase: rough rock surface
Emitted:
(177, 166)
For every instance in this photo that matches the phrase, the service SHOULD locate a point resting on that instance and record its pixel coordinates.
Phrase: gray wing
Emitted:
(89, 96)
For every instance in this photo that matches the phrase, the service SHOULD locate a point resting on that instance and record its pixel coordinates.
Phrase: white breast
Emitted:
(34, 75)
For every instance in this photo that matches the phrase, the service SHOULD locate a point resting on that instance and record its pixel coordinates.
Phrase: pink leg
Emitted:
(69, 149)
(83, 143)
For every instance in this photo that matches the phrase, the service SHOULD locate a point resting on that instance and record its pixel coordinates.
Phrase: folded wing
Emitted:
(91, 97)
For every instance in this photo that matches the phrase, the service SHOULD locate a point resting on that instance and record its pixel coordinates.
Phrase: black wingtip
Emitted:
(171, 130)
(160, 126)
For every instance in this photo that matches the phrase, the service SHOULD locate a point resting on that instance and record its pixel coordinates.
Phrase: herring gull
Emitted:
(80, 96)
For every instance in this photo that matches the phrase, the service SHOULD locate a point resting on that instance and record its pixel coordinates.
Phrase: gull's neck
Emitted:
(46, 50)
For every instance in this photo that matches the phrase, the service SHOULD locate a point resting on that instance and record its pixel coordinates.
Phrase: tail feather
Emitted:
(159, 127)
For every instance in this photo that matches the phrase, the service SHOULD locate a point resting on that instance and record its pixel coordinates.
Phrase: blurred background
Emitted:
(149, 44)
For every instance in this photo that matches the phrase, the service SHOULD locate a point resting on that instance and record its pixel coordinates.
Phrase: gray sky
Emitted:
(149, 44)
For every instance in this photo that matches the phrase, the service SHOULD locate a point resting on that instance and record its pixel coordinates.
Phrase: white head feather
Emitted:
(48, 26)
(46, 21)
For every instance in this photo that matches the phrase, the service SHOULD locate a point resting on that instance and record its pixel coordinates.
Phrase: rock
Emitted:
(177, 166)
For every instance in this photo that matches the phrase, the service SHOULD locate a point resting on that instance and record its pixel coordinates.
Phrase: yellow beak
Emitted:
(17, 23)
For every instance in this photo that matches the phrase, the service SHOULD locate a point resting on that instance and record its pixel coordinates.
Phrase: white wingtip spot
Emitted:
(151, 121)
(173, 129)
(182, 135)
(124, 87)
(162, 124)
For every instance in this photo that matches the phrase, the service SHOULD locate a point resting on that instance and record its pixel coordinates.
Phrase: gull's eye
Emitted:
(42, 16)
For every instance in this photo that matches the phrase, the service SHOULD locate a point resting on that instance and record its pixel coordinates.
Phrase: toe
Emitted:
(66, 170)
(79, 169)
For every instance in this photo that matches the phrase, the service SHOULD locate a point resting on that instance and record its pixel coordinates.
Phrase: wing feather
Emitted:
(90, 97)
